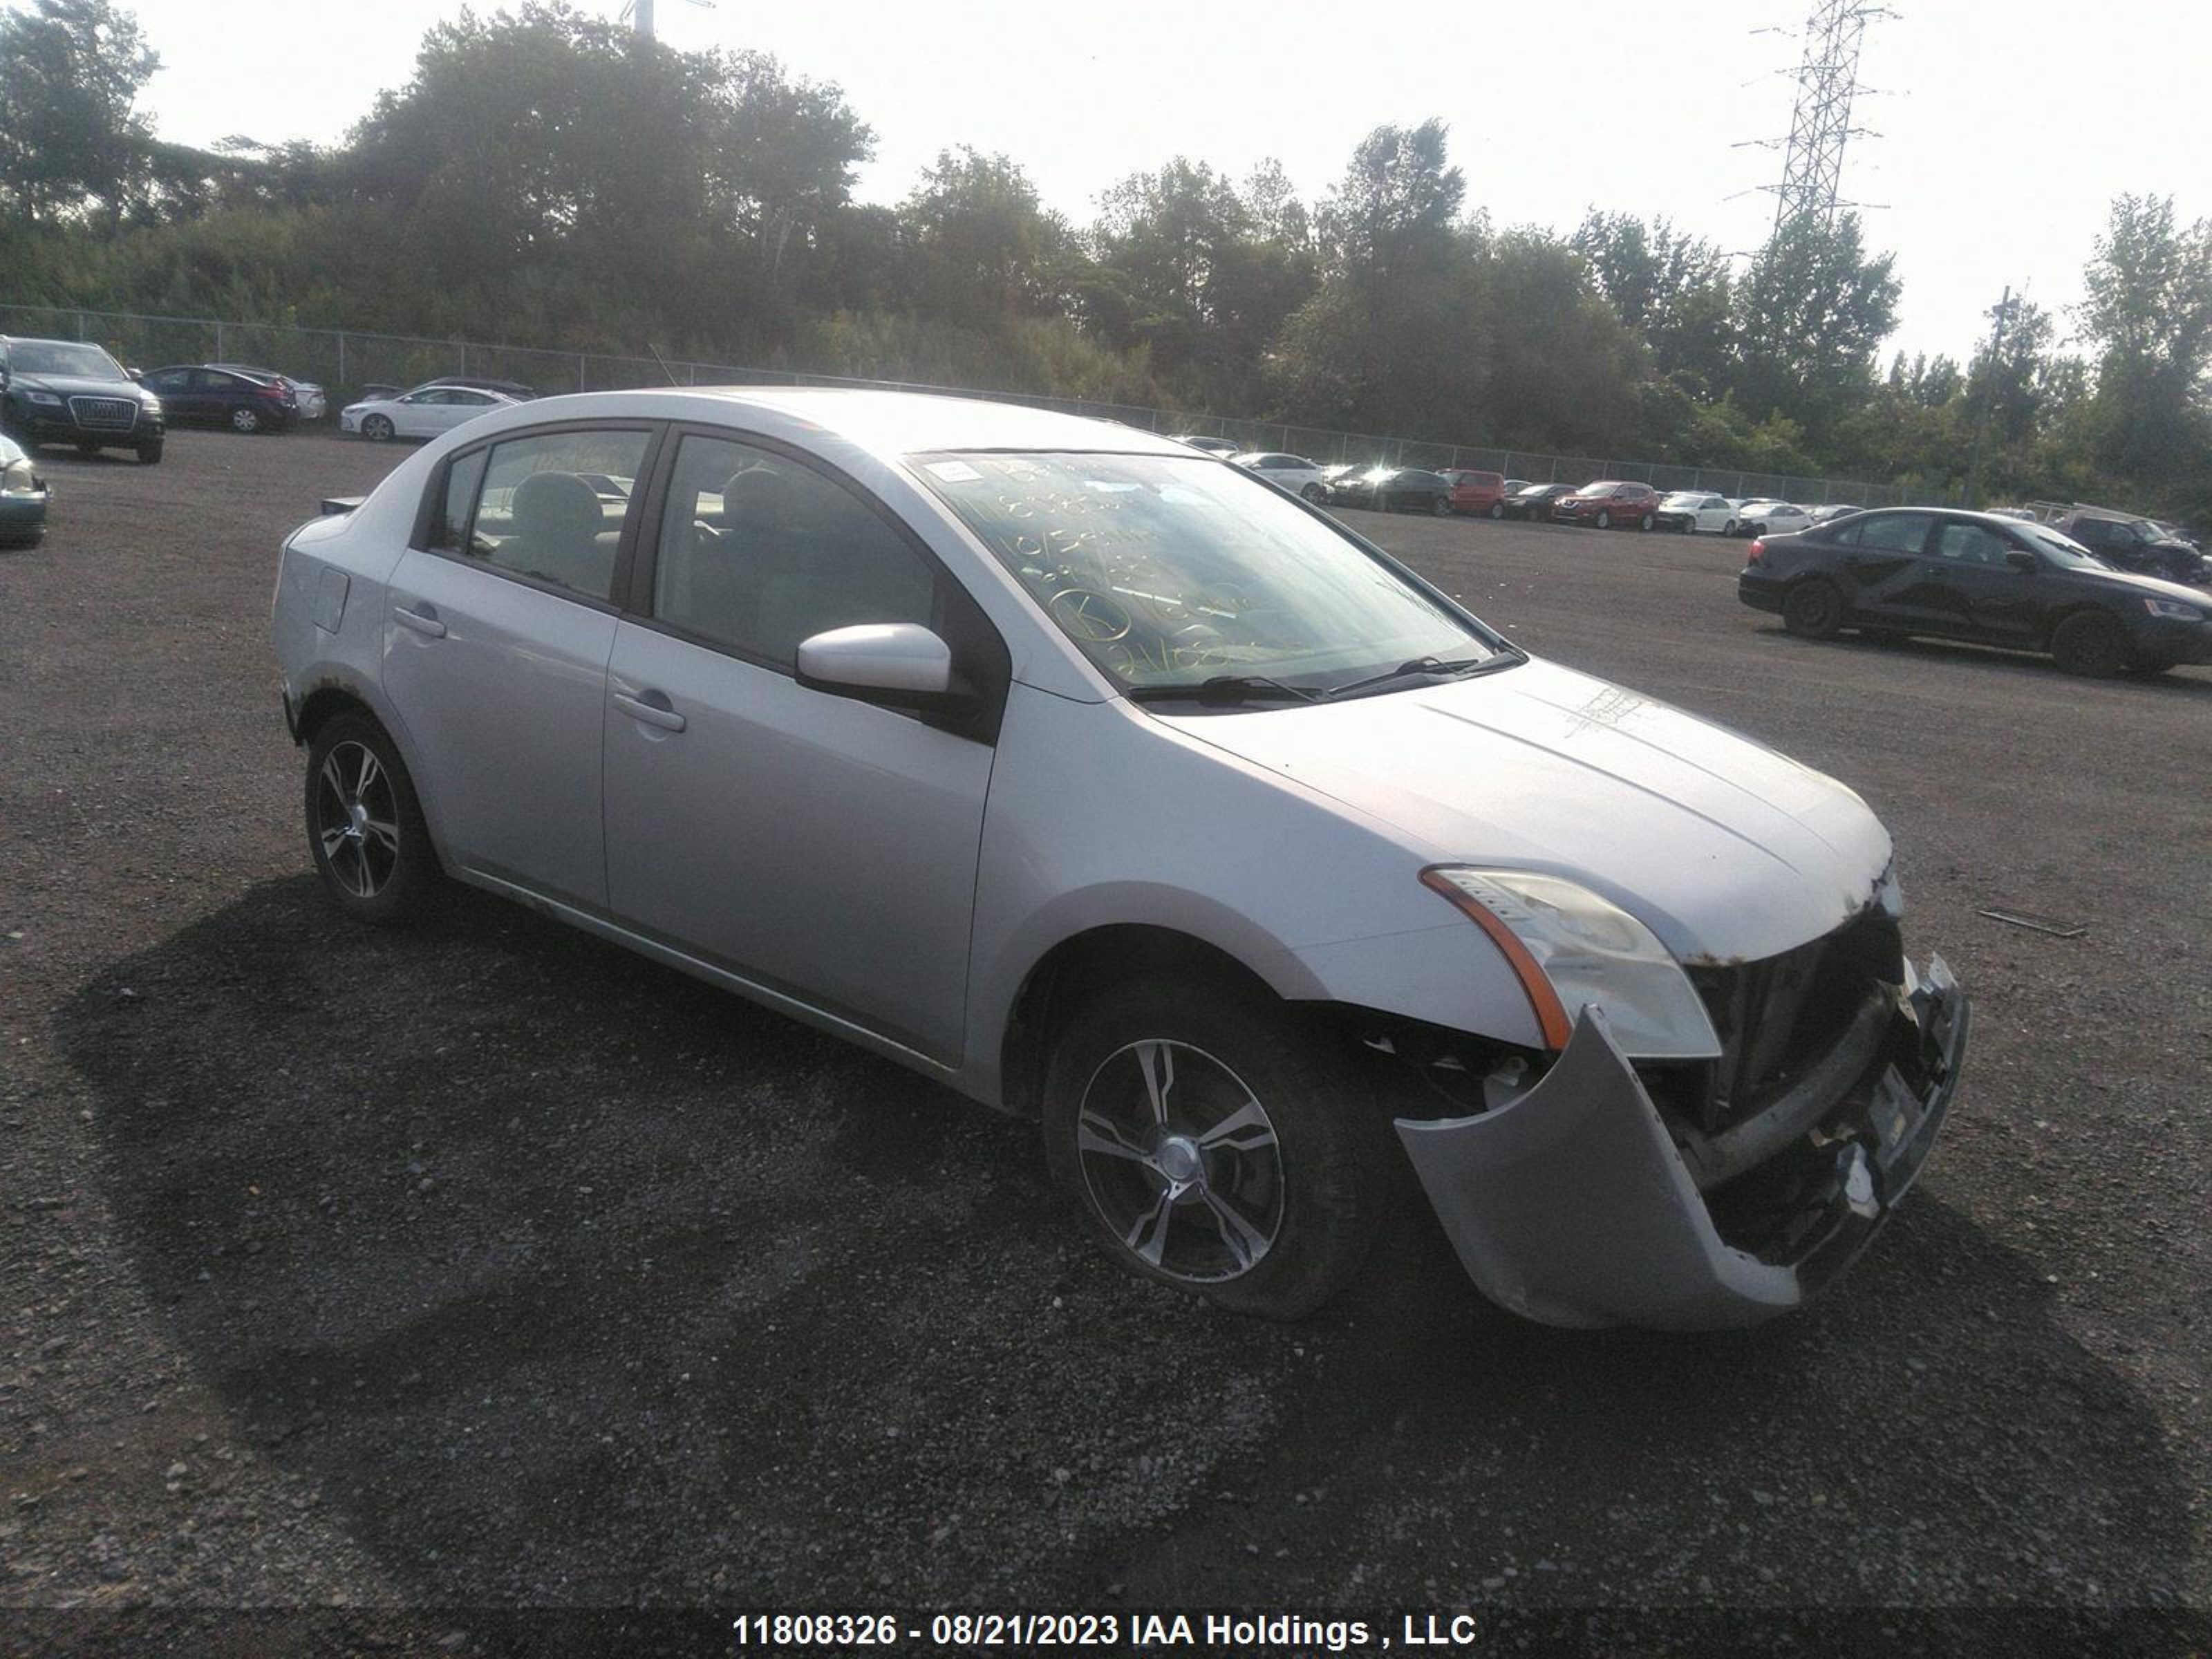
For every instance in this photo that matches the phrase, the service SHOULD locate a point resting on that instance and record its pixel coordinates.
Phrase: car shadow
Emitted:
(562, 1277)
(2176, 682)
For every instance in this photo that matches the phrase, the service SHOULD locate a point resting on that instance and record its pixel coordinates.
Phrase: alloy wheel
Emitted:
(1181, 1161)
(357, 819)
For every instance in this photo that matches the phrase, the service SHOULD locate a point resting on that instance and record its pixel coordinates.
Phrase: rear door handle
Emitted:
(651, 713)
(424, 620)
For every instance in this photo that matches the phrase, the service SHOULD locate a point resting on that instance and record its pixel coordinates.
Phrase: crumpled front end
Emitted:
(1578, 1203)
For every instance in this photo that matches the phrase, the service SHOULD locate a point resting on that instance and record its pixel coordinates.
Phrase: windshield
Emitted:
(2063, 549)
(1168, 573)
(1685, 498)
(58, 357)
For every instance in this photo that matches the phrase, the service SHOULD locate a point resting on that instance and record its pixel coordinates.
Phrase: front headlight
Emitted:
(1571, 948)
(50, 400)
(150, 403)
(2174, 609)
(16, 478)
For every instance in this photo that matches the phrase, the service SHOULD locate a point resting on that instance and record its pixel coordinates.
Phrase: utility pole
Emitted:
(2002, 314)
(642, 13)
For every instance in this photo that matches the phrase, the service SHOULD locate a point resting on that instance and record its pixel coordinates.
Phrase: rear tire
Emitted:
(1442, 507)
(1813, 609)
(1498, 509)
(2091, 644)
(245, 419)
(1210, 1140)
(365, 827)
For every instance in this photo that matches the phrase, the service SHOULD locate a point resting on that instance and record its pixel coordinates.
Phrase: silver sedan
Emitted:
(1089, 776)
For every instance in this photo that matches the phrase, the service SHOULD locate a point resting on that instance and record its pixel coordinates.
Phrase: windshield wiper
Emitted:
(1227, 688)
(1419, 666)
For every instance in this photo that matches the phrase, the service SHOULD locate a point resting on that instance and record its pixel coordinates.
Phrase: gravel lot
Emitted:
(486, 1264)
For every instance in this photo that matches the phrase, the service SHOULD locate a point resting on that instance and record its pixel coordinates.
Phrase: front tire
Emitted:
(1645, 522)
(1312, 493)
(377, 429)
(2091, 644)
(365, 828)
(1211, 1141)
(1604, 519)
(1813, 609)
(1728, 529)
(149, 452)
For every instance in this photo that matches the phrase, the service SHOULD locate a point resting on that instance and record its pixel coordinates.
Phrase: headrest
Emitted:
(555, 506)
(756, 499)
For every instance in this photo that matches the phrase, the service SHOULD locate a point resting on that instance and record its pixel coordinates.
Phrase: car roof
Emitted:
(887, 424)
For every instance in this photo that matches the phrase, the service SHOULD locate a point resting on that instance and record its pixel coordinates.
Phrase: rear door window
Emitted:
(1891, 533)
(552, 506)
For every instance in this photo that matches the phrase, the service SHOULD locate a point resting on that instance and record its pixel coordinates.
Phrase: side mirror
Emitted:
(902, 664)
(2022, 561)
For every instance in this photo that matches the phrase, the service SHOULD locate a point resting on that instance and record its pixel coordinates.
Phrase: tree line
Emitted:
(547, 178)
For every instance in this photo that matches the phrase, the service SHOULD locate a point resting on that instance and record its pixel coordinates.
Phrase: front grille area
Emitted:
(105, 414)
(1776, 1017)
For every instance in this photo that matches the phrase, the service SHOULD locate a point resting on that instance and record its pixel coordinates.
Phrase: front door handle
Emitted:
(651, 713)
(424, 620)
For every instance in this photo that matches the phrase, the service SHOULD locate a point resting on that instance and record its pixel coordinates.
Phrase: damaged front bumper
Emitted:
(1573, 1205)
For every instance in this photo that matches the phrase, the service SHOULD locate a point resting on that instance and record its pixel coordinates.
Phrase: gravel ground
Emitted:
(488, 1265)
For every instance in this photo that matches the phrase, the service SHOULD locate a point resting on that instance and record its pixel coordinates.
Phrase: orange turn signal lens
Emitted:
(1543, 998)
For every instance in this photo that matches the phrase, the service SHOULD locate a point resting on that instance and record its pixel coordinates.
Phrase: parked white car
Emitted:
(1768, 518)
(1292, 472)
(425, 412)
(1697, 512)
(1089, 777)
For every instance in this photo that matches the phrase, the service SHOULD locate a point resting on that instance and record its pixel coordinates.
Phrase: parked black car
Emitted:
(1393, 489)
(200, 395)
(2136, 544)
(1534, 500)
(1901, 571)
(64, 391)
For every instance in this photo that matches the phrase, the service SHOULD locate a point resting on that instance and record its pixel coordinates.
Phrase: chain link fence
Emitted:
(347, 363)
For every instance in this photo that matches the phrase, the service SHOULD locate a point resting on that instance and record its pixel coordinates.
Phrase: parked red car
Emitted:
(1608, 503)
(1476, 492)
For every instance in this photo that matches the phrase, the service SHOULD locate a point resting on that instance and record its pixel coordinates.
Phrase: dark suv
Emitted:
(2132, 543)
(64, 391)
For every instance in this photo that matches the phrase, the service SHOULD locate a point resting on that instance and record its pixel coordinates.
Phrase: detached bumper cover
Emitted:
(1572, 1206)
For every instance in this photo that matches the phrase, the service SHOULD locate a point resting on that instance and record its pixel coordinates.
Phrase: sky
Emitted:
(1997, 131)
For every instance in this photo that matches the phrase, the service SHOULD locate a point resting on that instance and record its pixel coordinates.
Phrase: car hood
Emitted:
(2134, 582)
(76, 386)
(1726, 849)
